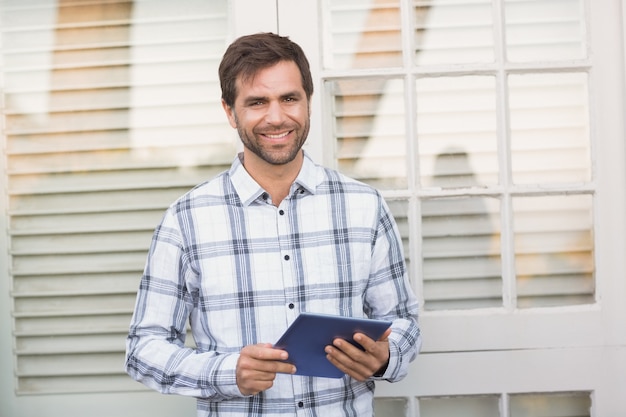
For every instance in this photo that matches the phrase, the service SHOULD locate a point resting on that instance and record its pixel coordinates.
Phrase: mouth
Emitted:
(276, 136)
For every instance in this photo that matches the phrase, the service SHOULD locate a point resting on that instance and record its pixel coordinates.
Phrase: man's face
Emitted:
(271, 113)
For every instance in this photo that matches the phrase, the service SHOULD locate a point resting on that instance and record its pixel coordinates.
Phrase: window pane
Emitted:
(400, 210)
(538, 30)
(364, 34)
(479, 406)
(109, 106)
(461, 253)
(550, 405)
(549, 128)
(453, 32)
(554, 250)
(370, 130)
(390, 407)
(456, 127)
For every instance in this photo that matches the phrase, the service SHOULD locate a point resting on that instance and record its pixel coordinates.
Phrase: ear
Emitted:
(230, 113)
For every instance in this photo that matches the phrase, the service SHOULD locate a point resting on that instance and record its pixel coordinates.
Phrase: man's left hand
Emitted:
(355, 362)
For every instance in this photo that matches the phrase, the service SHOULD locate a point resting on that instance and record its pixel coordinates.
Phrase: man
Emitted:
(240, 256)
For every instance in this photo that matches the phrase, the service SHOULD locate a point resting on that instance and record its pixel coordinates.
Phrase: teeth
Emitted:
(281, 135)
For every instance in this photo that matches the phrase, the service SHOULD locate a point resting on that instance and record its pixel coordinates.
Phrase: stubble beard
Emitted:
(274, 156)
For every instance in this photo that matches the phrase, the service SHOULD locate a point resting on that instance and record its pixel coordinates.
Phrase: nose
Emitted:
(275, 114)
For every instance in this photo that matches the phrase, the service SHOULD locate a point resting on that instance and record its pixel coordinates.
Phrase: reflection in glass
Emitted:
(112, 112)
(390, 407)
(544, 30)
(549, 128)
(470, 406)
(400, 210)
(457, 131)
(453, 32)
(364, 34)
(461, 253)
(370, 130)
(575, 404)
(554, 250)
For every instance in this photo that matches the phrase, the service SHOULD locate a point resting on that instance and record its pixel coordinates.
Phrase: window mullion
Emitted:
(504, 160)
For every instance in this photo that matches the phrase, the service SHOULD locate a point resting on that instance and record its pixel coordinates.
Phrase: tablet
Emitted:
(310, 333)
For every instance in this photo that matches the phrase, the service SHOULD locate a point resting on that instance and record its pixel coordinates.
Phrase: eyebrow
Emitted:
(252, 99)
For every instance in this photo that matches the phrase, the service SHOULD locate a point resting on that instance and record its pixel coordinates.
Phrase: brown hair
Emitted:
(251, 53)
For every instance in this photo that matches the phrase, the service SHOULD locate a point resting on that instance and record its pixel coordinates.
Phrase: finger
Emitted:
(255, 375)
(369, 344)
(285, 368)
(348, 366)
(385, 335)
(363, 363)
(264, 358)
(355, 366)
(265, 352)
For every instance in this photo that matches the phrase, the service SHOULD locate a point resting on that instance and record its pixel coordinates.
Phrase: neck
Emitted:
(275, 179)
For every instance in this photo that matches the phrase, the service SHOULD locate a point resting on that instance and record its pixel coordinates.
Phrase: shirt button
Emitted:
(300, 404)
(281, 212)
(291, 306)
(286, 257)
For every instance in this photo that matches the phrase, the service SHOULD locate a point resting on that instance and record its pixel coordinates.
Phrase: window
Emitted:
(494, 154)
(111, 108)
(479, 120)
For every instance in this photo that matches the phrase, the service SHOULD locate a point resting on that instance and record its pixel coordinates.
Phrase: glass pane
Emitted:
(370, 130)
(549, 128)
(554, 250)
(550, 405)
(457, 131)
(538, 30)
(400, 211)
(364, 34)
(478, 406)
(390, 407)
(461, 253)
(453, 32)
(109, 106)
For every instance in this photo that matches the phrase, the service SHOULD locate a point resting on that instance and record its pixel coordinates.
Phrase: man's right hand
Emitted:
(258, 365)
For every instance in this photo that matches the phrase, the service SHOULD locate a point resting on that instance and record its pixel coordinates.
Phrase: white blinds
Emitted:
(112, 111)
(474, 115)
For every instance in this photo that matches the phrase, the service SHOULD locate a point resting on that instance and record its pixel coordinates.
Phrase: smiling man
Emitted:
(271, 114)
(240, 256)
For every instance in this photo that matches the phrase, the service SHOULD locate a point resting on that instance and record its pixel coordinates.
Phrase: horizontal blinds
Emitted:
(369, 34)
(369, 126)
(430, 106)
(112, 112)
(554, 254)
(461, 253)
(364, 34)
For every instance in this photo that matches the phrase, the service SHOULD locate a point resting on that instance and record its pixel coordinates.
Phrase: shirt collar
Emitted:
(248, 190)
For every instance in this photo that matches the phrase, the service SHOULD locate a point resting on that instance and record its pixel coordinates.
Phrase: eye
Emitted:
(255, 103)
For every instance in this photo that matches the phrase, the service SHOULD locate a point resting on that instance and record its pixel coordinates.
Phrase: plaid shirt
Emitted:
(240, 270)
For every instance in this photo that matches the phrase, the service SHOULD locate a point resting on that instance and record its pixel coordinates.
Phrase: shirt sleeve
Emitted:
(390, 296)
(156, 354)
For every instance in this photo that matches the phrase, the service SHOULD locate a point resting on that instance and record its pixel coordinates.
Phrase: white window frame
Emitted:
(502, 351)
(590, 356)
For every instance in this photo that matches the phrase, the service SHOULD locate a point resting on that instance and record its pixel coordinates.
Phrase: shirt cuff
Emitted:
(225, 378)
